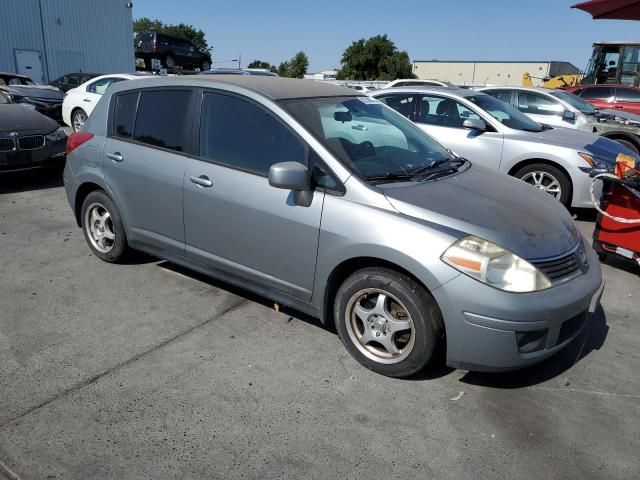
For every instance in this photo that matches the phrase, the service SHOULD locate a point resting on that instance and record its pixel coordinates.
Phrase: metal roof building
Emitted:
(490, 72)
(45, 39)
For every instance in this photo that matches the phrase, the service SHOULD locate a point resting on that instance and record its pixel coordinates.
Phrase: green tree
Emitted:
(262, 64)
(375, 58)
(298, 65)
(283, 69)
(196, 35)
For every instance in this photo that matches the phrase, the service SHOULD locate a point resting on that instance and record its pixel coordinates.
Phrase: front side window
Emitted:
(627, 95)
(536, 104)
(443, 112)
(404, 103)
(597, 93)
(100, 86)
(367, 137)
(502, 95)
(163, 119)
(242, 135)
(504, 113)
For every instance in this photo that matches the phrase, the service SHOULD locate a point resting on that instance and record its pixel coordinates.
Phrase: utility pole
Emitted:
(239, 61)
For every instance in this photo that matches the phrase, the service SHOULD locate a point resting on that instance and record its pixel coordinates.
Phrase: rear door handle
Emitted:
(202, 180)
(115, 156)
(618, 106)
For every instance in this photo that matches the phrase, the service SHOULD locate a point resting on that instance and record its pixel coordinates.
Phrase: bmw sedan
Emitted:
(491, 133)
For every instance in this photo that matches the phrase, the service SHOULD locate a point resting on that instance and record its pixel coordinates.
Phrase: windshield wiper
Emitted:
(390, 176)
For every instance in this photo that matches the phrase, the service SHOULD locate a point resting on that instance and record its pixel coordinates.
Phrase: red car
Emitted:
(619, 97)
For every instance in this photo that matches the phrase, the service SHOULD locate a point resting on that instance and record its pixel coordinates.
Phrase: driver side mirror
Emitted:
(568, 116)
(290, 176)
(474, 124)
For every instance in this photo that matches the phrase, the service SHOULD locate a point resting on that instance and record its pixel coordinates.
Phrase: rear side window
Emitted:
(125, 114)
(240, 134)
(163, 119)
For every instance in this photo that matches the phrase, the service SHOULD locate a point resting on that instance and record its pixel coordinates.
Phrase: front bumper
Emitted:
(492, 330)
(52, 154)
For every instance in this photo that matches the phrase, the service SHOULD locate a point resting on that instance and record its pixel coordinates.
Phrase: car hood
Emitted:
(18, 118)
(490, 205)
(621, 114)
(35, 91)
(588, 142)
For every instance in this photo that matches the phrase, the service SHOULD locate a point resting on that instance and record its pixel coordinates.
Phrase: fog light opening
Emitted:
(531, 341)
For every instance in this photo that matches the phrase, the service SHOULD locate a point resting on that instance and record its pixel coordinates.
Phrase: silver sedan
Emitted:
(486, 130)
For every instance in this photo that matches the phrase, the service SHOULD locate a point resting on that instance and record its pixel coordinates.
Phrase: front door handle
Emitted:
(618, 106)
(202, 180)
(115, 156)
(86, 99)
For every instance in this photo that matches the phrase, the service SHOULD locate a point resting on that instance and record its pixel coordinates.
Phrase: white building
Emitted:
(487, 72)
(45, 39)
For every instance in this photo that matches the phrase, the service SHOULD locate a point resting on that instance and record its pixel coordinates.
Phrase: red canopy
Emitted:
(611, 9)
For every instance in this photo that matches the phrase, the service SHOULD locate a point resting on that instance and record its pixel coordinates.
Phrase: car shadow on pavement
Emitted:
(242, 293)
(30, 180)
(592, 338)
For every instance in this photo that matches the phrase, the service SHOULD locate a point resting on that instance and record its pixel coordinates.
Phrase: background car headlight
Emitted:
(495, 266)
(56, 136)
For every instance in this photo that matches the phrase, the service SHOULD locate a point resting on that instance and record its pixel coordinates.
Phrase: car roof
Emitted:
(9, 74)
(516, 87)
(453, 91)
(607, 85)
(274, 88)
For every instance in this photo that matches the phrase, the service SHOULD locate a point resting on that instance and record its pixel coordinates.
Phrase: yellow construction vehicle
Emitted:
(561, 81)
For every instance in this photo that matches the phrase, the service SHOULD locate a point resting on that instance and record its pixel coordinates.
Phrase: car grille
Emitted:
(570, 327)
(562, 268)
(7, 144)
(31, 143)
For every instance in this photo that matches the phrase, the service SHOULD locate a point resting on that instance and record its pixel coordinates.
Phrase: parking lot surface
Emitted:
(146, 370)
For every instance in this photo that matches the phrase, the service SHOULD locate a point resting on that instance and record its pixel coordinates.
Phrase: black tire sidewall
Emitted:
(627, 144)
(73, 116)
(166, 61)
(563, 180)
(422, 307)
(119, 250)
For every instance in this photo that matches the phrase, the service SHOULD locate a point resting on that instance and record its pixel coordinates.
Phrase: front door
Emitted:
(443, 119)
(29, 63)
(144, 164)
(542, 109)
(234, 220)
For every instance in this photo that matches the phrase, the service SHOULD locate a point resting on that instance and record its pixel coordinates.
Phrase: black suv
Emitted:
(171, 51)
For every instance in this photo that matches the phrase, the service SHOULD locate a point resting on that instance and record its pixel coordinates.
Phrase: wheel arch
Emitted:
(347, 267)
(83, 191)
(620, 135)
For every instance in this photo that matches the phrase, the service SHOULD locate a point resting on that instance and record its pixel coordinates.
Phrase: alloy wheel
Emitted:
(99, 227)
(380, 326)
(545, 182)
(79, 119)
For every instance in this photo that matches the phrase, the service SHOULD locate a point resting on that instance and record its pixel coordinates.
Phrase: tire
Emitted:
(205, 65)
(376, 337)
(78, 119)
(549, 179)
(626, 143)
(169, 62)
(104, 232)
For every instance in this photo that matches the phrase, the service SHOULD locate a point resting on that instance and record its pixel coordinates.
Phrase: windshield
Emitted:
(505, 114)
(366, 136)
(11, 80)
(575, 101)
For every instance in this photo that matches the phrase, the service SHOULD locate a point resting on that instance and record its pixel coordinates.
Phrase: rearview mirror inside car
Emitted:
(289, 176)
(474, 124)
(342, 117)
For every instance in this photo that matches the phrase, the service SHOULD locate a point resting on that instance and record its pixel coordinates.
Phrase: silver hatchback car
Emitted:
(334, 204)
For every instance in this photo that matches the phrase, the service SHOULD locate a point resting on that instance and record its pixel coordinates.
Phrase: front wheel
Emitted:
(627, 143)
(548, 179)
(388, 322)
(205, 65)
(170, 62)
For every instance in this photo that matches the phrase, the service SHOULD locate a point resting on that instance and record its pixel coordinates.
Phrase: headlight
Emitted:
(595, 163)
(495, 266)
(56, 136)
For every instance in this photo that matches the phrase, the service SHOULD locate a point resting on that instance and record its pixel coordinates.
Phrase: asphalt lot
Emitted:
(148, 371)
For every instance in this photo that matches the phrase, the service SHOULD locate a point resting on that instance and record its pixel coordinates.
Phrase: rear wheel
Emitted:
(548, 179)
(388, 322)
(205, 65)
(102, 227)
(78, 119)
(170, 62)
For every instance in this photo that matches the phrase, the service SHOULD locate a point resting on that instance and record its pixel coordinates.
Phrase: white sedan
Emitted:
(79, 102)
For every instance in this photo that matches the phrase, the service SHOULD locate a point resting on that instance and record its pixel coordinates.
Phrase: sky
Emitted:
(274, 30)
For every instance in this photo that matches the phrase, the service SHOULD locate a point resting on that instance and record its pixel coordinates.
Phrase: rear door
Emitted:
(234, 220)
(145, 160)
(627, 99)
